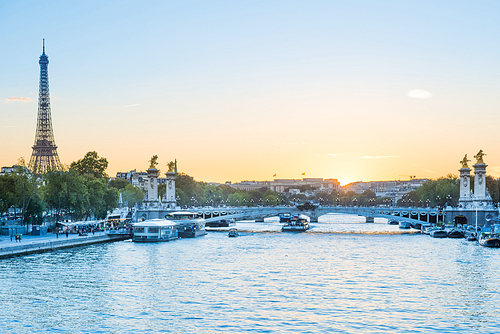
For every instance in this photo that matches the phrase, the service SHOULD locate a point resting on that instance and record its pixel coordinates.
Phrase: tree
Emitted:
(132, 195)
(26, 188)
(66, 191)
(91, 164)
(118, 183)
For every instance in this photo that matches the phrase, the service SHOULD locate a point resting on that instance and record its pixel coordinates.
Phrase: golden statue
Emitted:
(153, 162)
(171, 166)
(464, 162)
(479, 157)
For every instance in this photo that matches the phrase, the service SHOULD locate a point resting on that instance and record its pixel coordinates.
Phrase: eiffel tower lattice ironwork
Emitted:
(44, 156)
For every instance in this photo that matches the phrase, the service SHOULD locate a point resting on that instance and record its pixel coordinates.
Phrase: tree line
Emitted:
(84, 191)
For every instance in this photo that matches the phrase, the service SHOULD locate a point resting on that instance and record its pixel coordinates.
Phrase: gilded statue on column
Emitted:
(153, 162)
(464, 162)
(479, 157)
(171, 166)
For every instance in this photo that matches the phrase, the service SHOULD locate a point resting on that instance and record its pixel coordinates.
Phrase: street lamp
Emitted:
(438, 200)
(338, 201)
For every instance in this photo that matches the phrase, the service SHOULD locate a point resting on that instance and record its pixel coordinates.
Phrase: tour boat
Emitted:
(188, 225)
(294, 224)
(155, 230)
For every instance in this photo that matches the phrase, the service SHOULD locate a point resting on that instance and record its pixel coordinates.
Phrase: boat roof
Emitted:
(155, 222)
(182, 213)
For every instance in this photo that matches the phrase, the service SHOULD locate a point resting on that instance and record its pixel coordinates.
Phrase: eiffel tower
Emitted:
(44, 156)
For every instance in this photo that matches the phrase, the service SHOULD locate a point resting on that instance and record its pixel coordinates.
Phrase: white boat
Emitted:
(491, 238)
(155, 230)
(188, 224)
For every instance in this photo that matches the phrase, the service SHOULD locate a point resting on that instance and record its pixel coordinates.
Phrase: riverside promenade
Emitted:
(33, 244)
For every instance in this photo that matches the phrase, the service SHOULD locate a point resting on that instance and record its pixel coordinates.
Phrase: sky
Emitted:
(243, 90)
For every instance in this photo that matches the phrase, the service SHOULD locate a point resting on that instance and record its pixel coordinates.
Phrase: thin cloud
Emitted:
(15, 98)
(428, 171)
(419, 94)
(336, 154)
(378, 156)
(131, 105)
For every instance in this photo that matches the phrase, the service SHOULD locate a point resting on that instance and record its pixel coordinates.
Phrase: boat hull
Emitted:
(439, 234)
(295, 228)
(490, 242)
(191, 234)
(150, 239)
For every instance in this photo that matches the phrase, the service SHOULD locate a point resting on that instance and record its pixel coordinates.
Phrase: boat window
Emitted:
(153, 230)
(139, 229)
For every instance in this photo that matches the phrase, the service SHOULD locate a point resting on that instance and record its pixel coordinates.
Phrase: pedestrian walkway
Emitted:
(31, 244)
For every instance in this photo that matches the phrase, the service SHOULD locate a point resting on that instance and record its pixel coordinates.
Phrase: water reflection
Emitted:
(262, 282)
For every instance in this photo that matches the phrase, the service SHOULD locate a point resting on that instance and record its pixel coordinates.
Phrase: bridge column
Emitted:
(370, 219)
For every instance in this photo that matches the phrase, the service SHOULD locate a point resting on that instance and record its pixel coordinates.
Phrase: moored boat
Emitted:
(295, 224)
(155, 230)
(222, 223)
(455, 234)
(489, 240)
(188, 225)
(439, 233)
(404, 225)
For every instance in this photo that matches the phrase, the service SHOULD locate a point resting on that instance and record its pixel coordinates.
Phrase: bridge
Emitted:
(398, 214)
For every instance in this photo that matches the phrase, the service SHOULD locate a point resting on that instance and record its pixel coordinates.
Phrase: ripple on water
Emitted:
(263, 282)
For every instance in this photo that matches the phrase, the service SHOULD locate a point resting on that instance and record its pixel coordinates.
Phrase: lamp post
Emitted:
(338, 201)
(438, 200)
(178, 200)
(428, 202)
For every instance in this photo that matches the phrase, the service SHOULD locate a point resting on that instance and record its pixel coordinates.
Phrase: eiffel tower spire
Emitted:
(44, 156)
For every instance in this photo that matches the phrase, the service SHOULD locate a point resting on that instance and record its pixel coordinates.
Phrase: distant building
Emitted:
(392, 189)
(288, 185)
(8, 170)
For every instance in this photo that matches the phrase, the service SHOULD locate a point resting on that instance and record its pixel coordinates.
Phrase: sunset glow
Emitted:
(356, 91)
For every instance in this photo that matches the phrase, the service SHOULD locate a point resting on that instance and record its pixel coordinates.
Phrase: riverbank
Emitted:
(37, 244)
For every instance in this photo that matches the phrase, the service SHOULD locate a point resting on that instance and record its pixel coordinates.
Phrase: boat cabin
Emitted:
(155, 230)
(188, 224)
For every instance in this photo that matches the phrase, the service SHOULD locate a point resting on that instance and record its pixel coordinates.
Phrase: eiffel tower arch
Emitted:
(44, 156)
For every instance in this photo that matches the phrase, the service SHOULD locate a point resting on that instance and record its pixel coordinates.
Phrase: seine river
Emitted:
(368, 281)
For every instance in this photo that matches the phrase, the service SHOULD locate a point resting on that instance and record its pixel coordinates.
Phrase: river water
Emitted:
(326, 280)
